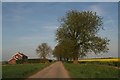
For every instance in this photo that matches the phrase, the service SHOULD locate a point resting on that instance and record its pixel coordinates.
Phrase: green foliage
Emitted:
(64, 49)
(88, 70)
(37, 60)
(4, 62)
(78, 33)
(21, 61)
(34, 61)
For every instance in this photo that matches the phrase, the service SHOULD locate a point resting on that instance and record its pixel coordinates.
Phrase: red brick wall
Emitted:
(12, 61)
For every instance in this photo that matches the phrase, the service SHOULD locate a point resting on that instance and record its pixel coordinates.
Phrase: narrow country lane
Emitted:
(55, 70)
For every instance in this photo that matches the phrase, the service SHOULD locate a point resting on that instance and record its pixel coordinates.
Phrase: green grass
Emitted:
(88, 70)
(0, 71)
(21, 70)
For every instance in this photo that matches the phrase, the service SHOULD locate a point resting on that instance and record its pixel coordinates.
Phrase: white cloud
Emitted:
(33, 38)
(109, 21)
(97, 9)
(53, 28)
(112, 24)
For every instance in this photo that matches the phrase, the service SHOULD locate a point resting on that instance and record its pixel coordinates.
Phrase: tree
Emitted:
(80, 29)
(57, 52)
(64, 50)
(43, 50)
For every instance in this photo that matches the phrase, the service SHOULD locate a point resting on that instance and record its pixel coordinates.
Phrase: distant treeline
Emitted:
(39, 60)
(21, 61)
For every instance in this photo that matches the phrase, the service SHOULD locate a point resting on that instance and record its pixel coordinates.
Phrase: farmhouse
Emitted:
(17, 56)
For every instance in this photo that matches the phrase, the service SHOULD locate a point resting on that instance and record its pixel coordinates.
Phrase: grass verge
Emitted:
(88, 70)
(21, 70)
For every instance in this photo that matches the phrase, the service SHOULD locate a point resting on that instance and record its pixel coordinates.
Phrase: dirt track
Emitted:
(56, 70)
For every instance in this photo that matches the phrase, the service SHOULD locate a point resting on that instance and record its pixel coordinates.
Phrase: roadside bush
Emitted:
(50, 61)
(69, 61)
(4, 62)
(33, 61)
(38, 60)
(21, 61)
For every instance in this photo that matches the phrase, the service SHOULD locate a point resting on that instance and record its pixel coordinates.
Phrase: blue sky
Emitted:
(0, 31)
(26, 25)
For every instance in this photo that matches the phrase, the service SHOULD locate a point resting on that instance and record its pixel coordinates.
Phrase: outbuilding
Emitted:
(17, 56)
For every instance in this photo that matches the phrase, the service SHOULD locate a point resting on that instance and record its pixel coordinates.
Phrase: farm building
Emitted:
(17, 56)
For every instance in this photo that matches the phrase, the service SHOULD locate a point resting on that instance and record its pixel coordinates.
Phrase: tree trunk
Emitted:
(44, 59)
(67, 59)
(57, 58)
(75, 61)
(64, 59)
(60, 58)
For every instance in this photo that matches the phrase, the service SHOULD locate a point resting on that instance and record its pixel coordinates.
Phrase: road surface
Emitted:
(55, 70)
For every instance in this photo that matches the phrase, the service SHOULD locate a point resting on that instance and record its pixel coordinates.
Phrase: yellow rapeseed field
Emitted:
(103, 60)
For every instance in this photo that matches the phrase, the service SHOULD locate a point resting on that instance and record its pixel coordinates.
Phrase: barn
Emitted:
(17, 56)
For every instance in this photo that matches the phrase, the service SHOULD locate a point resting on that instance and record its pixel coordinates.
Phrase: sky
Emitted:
(0, 31)
(25, 25)
(118, 28)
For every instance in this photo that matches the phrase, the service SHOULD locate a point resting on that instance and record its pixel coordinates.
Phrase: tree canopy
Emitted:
(78, 31)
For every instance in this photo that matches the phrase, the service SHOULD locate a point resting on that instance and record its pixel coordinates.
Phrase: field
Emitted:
(89, 70)
(0, 70)
(21, 70)
(100, 59)
(94, 68)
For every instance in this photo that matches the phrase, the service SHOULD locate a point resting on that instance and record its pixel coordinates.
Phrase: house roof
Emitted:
(19, 53)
